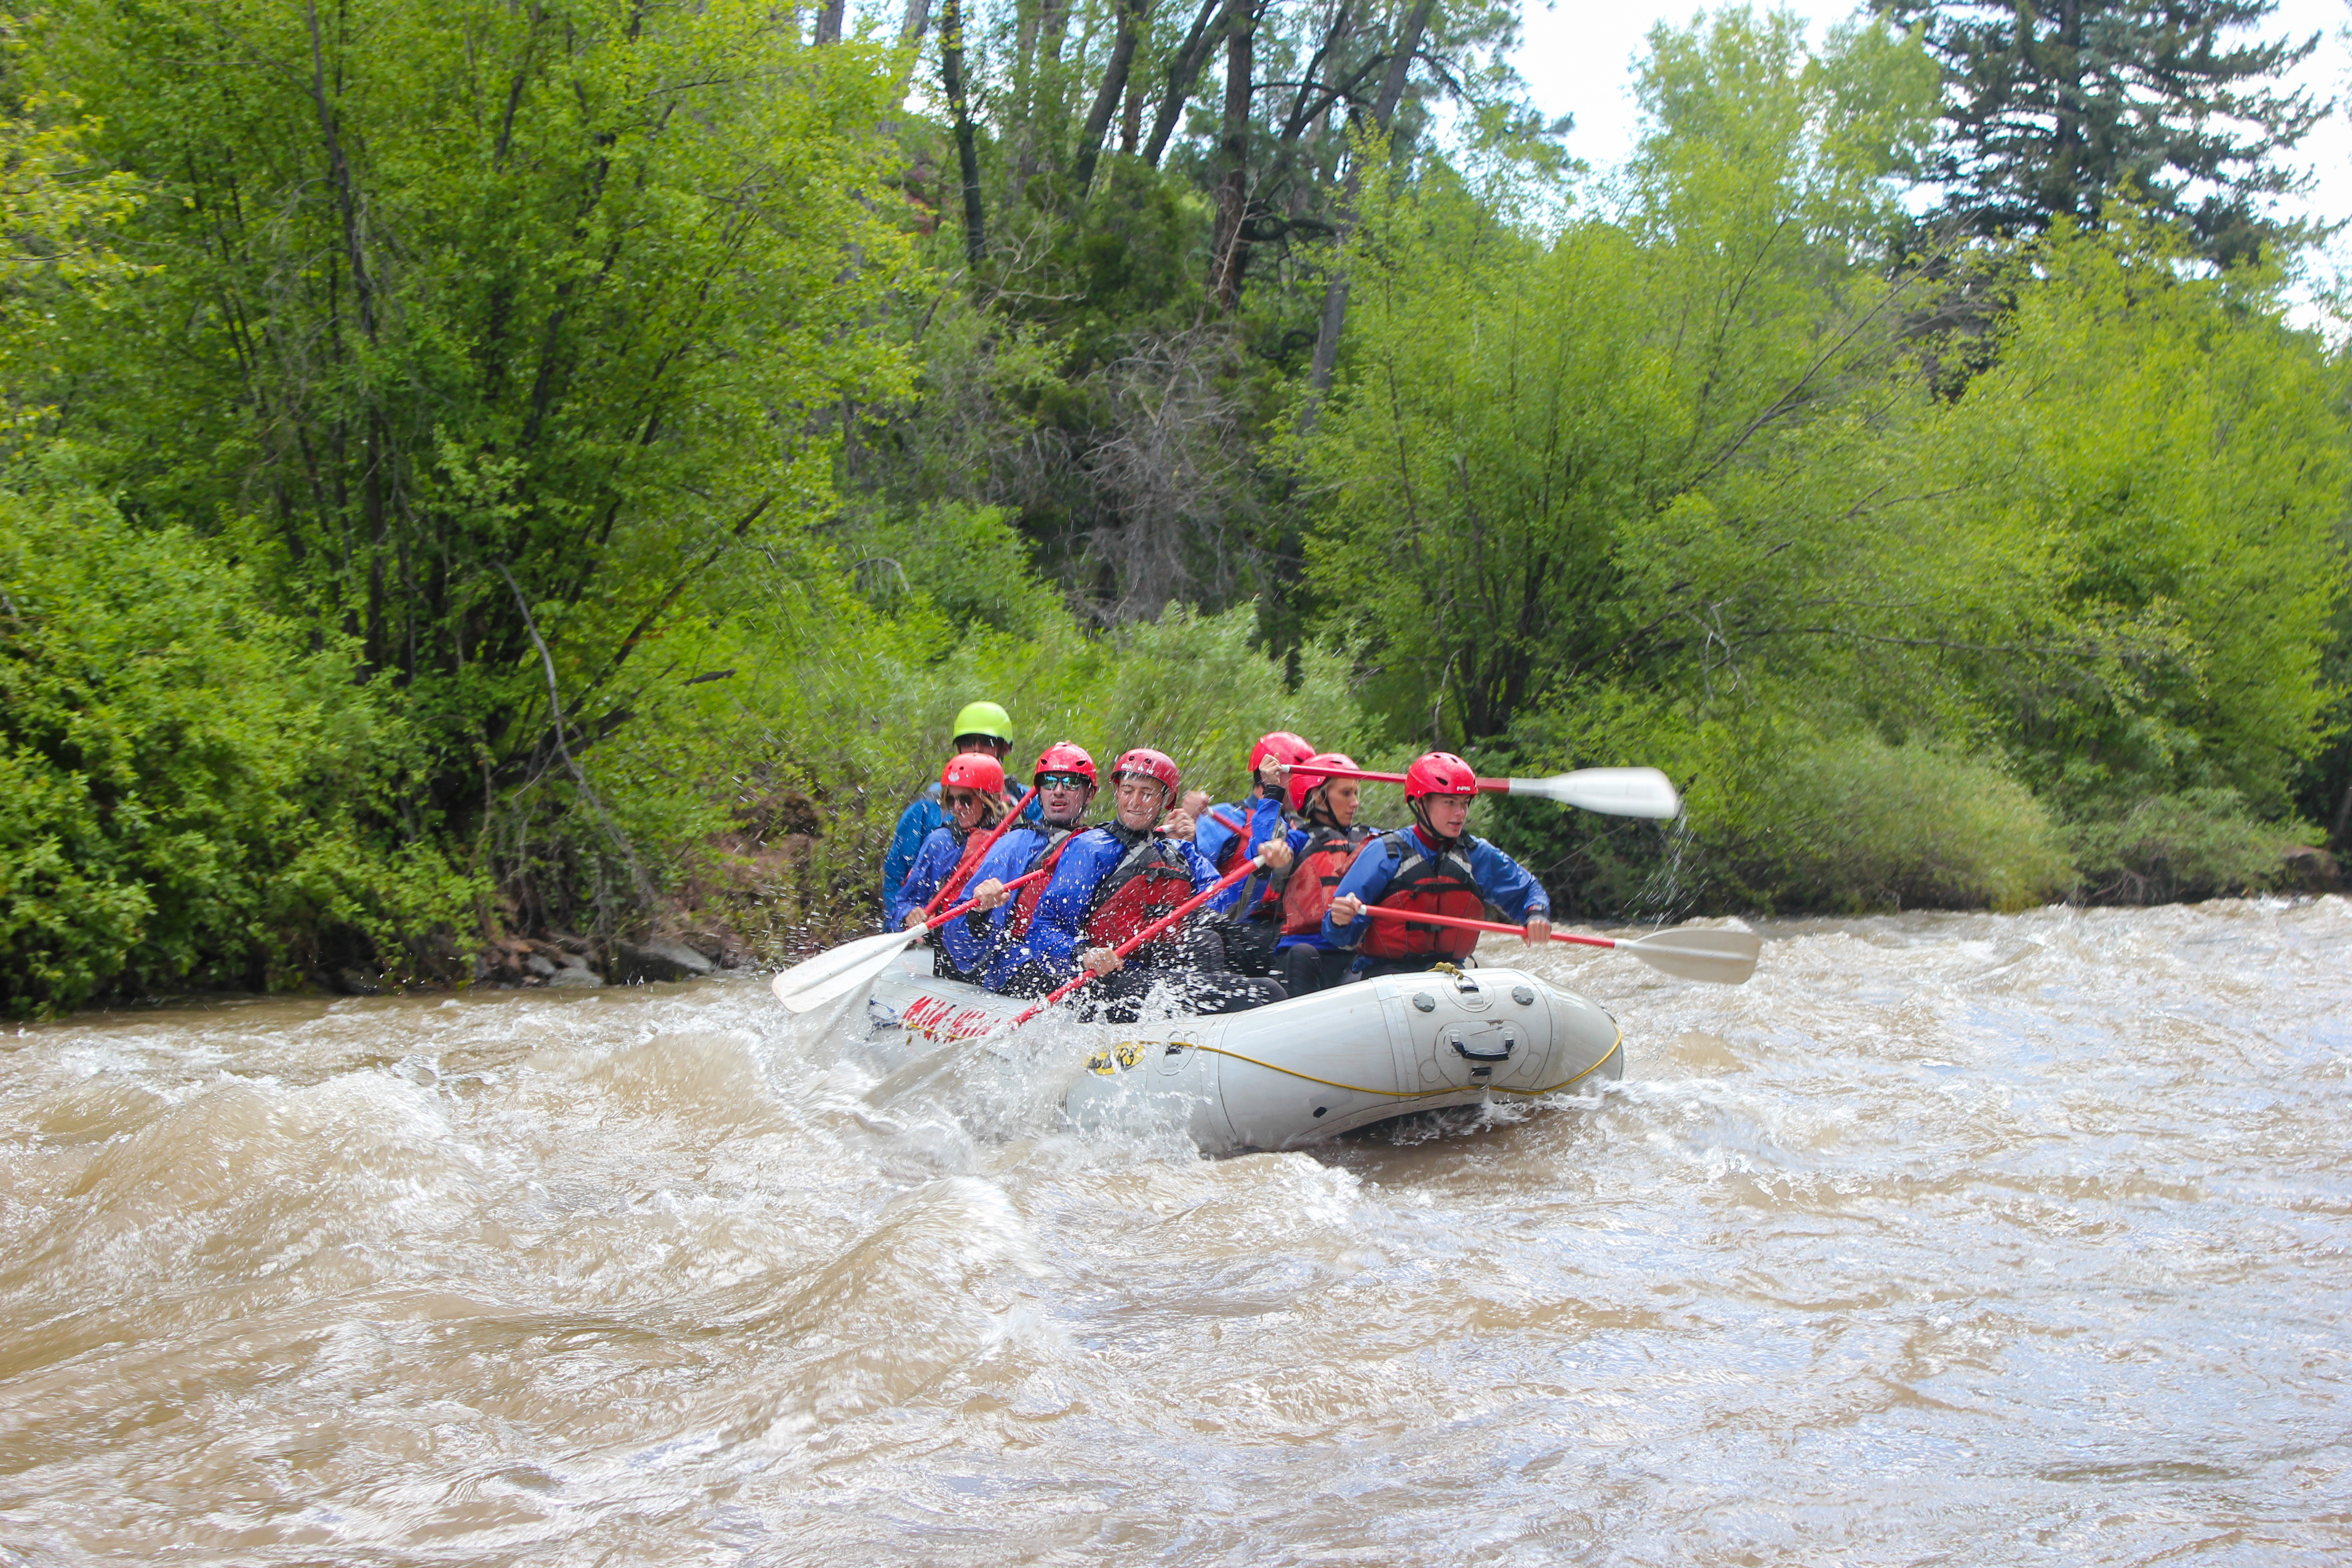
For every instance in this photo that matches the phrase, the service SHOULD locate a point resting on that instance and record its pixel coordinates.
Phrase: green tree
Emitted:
(2058, 108)
(1560, 459)
(1678, 484)
(482, 332)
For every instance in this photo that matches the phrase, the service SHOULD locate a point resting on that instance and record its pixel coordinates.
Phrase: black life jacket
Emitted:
(1314, 873)
(1440, 884)
(1025, 903)
(1149, 882)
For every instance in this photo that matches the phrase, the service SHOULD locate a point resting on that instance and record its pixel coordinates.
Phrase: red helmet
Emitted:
(1063, 757)
(1148, 763)
(974, 771)
(1279, 746)
(1305, 780)
(1439, 773)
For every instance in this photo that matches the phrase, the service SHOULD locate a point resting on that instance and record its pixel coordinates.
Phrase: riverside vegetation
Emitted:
(494, 468)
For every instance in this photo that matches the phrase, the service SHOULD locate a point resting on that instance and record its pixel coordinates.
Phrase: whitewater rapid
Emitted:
(1948, 1238)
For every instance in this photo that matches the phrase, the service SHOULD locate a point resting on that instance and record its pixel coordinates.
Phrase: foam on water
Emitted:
(1947, 1238)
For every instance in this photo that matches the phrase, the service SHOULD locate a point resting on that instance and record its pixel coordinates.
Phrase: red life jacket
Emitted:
(1315, 872)
(1148, 883)
(1426, 884)
(1024, 903)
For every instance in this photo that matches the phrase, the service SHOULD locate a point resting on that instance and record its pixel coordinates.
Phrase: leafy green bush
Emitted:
(1859, 824)
(177, 772)
(1778, 818)
(2197, 843)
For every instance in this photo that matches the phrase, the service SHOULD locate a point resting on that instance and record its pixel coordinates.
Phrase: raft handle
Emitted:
(1461, 1048)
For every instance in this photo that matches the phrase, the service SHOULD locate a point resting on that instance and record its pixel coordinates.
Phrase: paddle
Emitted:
(965, 866)
(1614, 791)
(1146, 934)
(1723, 957)
(854, 965)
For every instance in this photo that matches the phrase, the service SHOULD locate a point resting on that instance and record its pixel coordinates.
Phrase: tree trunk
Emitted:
(1131, 14)
(2066, 160)
(1335, 293)
(910, 38)
(1229, 254)
(828, 22)
(1182, 71)
(975, 229)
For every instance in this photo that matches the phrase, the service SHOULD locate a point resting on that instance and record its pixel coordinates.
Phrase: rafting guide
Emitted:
(1433, 868)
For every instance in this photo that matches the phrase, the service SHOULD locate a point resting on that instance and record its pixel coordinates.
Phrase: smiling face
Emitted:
(964, 807)
(1141, 801)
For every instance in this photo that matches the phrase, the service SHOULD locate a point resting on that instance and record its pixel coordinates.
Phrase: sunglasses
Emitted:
(1062, 781)
(957, 799)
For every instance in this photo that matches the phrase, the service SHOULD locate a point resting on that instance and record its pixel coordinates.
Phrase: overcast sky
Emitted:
(1579, 59)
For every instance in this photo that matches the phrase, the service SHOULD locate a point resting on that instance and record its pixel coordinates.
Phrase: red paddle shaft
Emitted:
(965, 907)
(1146, 934)
(1500, 786)
(972, 856)
(1496, 926)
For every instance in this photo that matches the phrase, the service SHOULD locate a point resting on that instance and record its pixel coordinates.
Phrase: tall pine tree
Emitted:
(2054, 107)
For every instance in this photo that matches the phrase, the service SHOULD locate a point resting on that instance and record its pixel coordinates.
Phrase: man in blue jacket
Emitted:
(1112, 882)
(1434, 866)
(1064, 779)
(979, 727)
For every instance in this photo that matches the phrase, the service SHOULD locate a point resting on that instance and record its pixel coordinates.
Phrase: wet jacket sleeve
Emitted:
(1053, 942)
(1367, 878)
(934, 863)
(1204, 870)
(915, 825)
(1507, 885)
(970, 939)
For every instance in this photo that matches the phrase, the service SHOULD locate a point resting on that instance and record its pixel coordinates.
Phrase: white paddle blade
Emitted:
(1721, 957)
(848, 983)
(1614, 791)
(872, 952)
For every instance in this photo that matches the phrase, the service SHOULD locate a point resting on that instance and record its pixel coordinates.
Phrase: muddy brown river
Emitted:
(1949, 1240)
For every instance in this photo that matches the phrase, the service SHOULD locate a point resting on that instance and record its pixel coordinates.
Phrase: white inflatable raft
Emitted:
(1304, 1070)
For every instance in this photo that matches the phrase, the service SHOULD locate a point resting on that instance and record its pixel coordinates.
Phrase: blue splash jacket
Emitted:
(1262, 815)
(972, 941)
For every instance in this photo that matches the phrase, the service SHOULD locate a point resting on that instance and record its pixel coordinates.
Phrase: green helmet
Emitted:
(984, 719)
